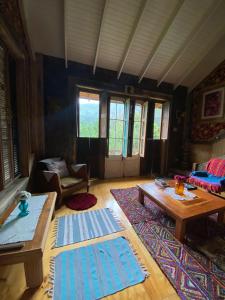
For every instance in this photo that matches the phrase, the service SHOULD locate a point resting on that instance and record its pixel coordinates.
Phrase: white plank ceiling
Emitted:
(175, 41)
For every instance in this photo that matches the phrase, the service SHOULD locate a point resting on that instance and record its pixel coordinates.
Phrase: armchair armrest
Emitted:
(79, 171)
(51, 181)
(194, 166)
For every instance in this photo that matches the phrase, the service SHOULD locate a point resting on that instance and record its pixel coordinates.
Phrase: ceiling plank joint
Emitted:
(194, 33)
(160, 39)
(196, 61)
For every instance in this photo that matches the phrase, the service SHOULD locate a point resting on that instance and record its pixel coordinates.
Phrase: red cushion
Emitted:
(81, 201)
(216, 167)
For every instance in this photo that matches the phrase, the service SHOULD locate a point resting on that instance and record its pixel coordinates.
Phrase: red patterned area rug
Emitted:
(192, 274)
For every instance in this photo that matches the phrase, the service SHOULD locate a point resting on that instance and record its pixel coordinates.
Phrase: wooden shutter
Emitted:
(15, 140)
(14, 122)
(5, 119)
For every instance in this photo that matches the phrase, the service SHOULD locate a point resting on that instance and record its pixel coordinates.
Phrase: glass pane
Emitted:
(116, 127)
(137, 112)
(120, 111)
(157, 121)
(89, 117)
(119, 129)
(119, 146)
(112, 146)
(137, 128)
(112, 128)
(135, 148)
(112, 110)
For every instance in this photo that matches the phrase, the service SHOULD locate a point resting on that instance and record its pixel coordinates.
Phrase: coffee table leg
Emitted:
(34, 272)
(180, 230)
(221, 217)
(141, 197)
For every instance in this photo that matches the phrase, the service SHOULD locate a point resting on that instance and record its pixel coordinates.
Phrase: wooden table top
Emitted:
(36, 246)
(205, 204)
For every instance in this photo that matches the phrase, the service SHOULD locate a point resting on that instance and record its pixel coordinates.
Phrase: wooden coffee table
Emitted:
(32, 252)
(183, 211)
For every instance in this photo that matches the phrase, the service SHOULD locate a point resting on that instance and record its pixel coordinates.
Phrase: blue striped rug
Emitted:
(95, 271)
(85, 226)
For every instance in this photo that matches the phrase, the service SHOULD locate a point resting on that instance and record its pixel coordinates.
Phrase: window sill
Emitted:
(7, 196)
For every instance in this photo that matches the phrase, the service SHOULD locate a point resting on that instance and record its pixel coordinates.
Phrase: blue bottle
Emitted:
(23, 207)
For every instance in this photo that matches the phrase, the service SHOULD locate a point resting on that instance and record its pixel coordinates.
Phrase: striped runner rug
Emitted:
(76, 228)
(95, 271)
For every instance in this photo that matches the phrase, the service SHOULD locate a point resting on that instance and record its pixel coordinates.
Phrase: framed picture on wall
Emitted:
(213, 104)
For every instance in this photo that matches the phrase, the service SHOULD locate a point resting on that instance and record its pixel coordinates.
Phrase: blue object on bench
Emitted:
(200, 173)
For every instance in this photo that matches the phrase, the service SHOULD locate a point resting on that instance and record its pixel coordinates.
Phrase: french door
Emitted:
(126, 141)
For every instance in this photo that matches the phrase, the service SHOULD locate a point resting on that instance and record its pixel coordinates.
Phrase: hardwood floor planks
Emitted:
(156, 287)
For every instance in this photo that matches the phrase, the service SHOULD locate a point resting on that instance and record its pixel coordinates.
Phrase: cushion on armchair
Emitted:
(200, 173)
(67, 182)
(59, 167)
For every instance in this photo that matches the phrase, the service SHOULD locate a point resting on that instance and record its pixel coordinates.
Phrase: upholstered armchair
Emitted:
(64, 178)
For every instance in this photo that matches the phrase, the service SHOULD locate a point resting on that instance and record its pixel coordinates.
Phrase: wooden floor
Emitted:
(12, 279)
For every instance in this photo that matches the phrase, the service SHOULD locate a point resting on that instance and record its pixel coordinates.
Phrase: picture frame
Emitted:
(213, 104)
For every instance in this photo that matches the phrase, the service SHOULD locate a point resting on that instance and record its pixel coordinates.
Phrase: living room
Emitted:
(112, 149)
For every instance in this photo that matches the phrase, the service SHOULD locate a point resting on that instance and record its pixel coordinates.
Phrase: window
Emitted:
(8, 120)
(88, 115)
(137, 129)
(116, 127)
(157, 121)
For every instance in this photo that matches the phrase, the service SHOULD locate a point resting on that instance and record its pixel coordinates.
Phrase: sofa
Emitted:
(209, 175)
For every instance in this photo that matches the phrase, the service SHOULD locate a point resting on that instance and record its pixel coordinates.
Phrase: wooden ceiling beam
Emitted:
(194, 33)
(132, 36)
(65, 33)
(100, 34)
(160, 39)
